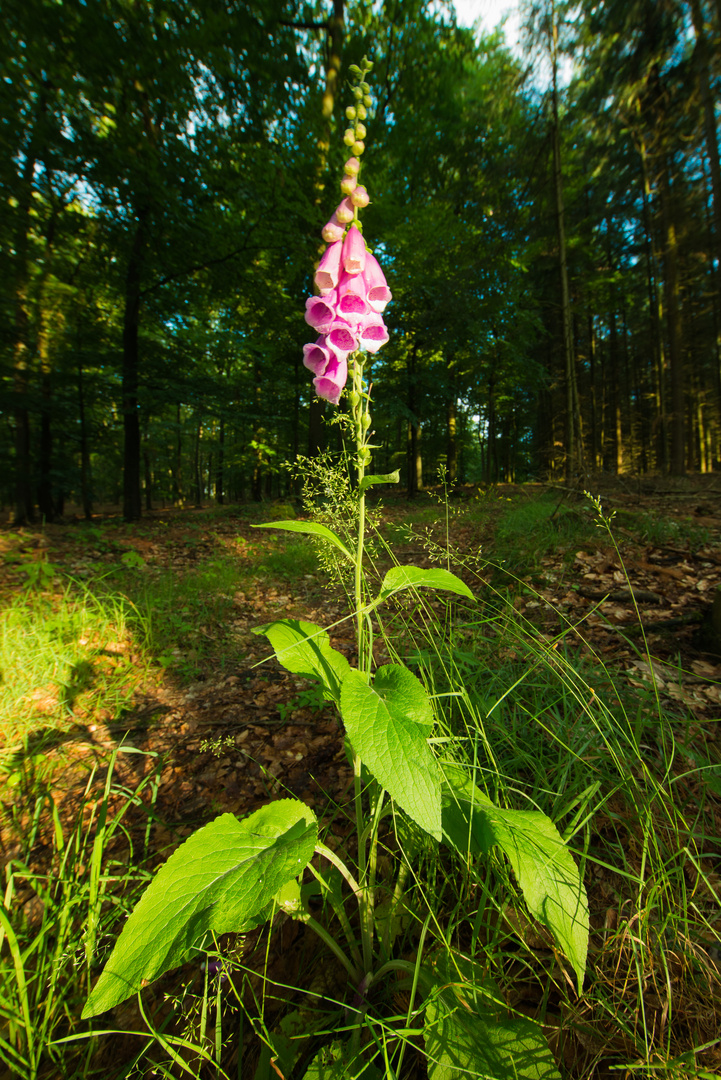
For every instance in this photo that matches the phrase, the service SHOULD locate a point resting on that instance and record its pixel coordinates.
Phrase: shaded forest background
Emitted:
(554, 249)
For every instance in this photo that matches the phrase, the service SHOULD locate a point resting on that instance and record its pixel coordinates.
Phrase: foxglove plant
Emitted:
(235, 875)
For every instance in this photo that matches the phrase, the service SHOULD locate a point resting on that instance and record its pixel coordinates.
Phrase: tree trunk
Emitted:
(566, 331)
(219, 478)
(673, 314)
(85, 480)
(131, 363)
(452, 447)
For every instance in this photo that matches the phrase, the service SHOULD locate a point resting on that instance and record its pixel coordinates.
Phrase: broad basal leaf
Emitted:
(468, 1032)
(305, 649)
(405, 577)
(219, 880)
(310, 528)
(461, 1042)
(387, 723)
(543, 865)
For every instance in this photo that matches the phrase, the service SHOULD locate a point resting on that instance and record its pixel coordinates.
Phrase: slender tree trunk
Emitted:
(45, 483)
(196, 465)
(219, 477)
(702, 65)
(178, 463)
(566, 329)
(655, 307)
(131, 364)
(85, 479)
(24, 503)
(452, 427)
(671, 289)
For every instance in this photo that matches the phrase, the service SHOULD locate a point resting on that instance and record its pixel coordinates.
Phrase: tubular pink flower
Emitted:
(360, 196)
(341, 338)
(330, 384)
(332, 230)
(328, 272)
(377, 292)
(354, 251)
(317, 357)
(373, 334)
(320, 312)
(352, 301)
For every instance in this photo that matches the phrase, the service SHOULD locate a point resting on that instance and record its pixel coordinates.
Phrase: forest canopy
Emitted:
(553, 247)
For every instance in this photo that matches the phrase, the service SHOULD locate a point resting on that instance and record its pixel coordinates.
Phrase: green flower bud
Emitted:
(351, 112)
(365, 421)
(360, 131)
(357, 147)
(349, 137)
(354, 69)
(365, 88)
(357, 93)
(354, 398)
(359, 111)
(367, 101)
(365, 457)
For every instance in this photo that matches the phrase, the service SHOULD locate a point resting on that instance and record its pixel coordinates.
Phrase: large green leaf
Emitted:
(461, 1042)
(468, 1032)
(543, 865)
(310, 528)
(387, 723)
(221, 879)
(305, 649)
(406, 577)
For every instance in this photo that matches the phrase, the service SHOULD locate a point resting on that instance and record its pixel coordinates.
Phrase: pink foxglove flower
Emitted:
(374, 334)
(317, 357)
(320, 312)
(352, 166)
(328, 272)
(352, 299)
(348, 184)
(377, 292)
(341, 338)
(354, 251)
(330, 384)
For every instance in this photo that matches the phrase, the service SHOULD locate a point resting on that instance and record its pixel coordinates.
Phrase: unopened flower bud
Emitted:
(365, 457)
(367, 64)
(349, 137)
(360, 131)
(360, 196)
(354, 398)
(360, 111)
(352, 166)
(367, 100)
(351, 112)
(354, 69)
(332, 230)
(357, 93)
(365, 421)
(348, 184)
(365, 88)
(345, 213)
(358, 148)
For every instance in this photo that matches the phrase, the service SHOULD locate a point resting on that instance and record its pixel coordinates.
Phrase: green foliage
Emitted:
(388, 723)
(62, 656)
(305, 649)
(544, 868)
(55, 923)
(222, 878)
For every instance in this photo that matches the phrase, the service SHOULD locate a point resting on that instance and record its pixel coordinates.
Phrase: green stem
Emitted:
(334, 948)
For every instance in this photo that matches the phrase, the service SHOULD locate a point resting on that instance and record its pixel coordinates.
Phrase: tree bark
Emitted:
(131, 365)
(673, 314)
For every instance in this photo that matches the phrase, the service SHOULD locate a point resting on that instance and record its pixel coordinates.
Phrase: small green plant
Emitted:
(410, 795)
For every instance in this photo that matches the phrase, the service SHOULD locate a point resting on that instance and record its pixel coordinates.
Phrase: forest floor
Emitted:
(222, 728)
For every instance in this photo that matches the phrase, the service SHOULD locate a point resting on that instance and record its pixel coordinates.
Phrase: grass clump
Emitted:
(76, 874)
(63, 657)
